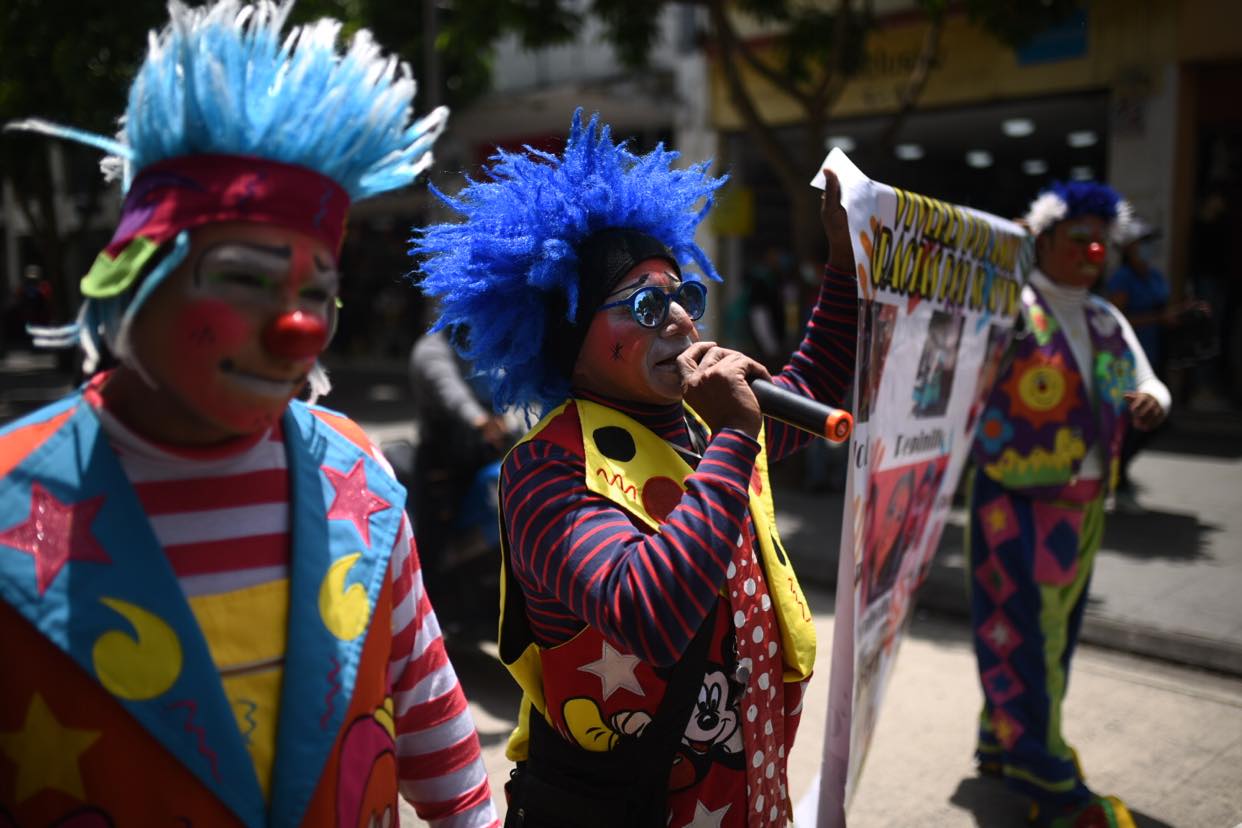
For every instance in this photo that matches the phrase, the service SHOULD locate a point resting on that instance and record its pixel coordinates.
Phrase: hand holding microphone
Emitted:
(730, 390)
(718, 386)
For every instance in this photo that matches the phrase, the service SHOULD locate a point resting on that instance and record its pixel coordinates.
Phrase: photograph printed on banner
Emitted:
(933, 384)
(876, 323)
(902, 500)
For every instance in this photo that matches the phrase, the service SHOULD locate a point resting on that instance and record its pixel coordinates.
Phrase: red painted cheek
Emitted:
(210, 325)
(614, 351)
(205, 333)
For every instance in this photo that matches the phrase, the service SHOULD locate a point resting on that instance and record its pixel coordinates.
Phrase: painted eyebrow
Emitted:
(283, 254)
(642, 280)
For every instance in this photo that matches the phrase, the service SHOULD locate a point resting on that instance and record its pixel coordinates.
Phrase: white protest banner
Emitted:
(939, 290)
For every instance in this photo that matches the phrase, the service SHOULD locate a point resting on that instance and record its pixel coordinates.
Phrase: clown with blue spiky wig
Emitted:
(1046, 458)
(649, 612)
(211, 588)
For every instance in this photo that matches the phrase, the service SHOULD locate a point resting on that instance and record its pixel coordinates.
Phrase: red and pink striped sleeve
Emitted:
(439, 762)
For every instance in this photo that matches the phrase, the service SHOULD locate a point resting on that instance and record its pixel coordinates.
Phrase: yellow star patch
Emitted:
(46, 753)
(997, 519)
(1003, 729)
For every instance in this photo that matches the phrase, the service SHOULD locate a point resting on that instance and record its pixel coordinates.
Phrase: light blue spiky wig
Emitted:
(223, 79)
(509, 274)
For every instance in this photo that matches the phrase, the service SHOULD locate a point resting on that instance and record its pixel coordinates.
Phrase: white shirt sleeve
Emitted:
(1145, 379)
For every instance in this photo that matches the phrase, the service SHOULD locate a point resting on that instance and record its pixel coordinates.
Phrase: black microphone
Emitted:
(802, 412)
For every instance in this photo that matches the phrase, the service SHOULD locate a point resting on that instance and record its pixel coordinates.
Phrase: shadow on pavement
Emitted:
(1204, 441)
(1155, 535)
(991, 804)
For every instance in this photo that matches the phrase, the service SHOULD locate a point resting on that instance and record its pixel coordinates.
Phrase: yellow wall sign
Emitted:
(972, 66)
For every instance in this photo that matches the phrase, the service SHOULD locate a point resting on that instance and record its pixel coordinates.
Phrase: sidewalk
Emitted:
(1167, 583)
(1167, 739)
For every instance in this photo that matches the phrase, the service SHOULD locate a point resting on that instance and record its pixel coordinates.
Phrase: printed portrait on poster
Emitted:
(933, 384)
(902, 500)
(876, 323)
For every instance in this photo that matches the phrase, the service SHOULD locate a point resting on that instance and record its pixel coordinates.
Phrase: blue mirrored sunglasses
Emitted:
(649, 305)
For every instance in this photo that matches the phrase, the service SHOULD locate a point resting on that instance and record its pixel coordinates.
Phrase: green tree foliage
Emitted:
(68, 61)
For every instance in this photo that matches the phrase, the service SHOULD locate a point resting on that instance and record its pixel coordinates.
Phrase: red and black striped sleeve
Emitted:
(823, 366)
(581, 560)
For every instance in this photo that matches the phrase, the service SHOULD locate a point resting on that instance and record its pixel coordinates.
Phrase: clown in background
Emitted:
(1045, 458)
(211, 588)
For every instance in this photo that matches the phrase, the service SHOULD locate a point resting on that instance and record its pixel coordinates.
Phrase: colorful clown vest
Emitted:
(117, 716)
(553, 679)
(1039, 422)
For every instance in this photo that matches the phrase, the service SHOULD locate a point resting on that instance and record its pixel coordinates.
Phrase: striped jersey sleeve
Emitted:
(823, 366)
(438, 757)
(581, 560)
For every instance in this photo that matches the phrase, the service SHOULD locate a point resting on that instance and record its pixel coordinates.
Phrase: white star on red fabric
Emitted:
(353, 500)
(55, 534)
(704, 818)
(616, 671)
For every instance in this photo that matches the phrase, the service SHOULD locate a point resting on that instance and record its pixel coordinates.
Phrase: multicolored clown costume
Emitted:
(649, 612)
(1045, 457)
(211, 610)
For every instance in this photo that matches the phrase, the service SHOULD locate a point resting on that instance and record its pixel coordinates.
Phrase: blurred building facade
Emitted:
(1139, 93)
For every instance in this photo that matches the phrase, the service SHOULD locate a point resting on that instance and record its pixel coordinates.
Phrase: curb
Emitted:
(944, 592)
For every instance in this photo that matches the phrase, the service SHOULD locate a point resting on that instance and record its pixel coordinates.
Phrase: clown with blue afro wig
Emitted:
(1066, 200)
(231, 118)
(545, 239)
(634, 516)
(1073, 389)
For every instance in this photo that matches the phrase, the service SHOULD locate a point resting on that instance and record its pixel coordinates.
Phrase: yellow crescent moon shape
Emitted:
(344, 611)
(137, 668)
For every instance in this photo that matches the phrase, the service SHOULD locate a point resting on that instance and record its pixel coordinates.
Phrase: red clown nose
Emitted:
(1095, 253)
(295, 335)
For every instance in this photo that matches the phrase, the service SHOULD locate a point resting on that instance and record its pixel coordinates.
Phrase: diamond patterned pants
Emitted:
(1029, 564)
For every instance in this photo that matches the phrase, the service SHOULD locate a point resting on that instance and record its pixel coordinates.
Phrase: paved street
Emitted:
(1167, 739)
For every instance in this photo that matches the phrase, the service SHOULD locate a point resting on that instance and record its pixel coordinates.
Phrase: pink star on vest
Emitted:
(55, 534)
(354, 501)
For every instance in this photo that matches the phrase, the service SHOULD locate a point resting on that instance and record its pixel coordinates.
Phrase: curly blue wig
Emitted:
(1066, 200)
(509, 274)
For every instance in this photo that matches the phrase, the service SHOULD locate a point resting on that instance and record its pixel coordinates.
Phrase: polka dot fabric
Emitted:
(763, 702)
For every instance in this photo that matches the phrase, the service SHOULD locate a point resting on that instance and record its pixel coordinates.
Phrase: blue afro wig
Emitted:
(1066, 200)
(509, 273)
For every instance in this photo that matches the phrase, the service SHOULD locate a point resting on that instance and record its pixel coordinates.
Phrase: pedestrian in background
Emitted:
(1140, 291)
